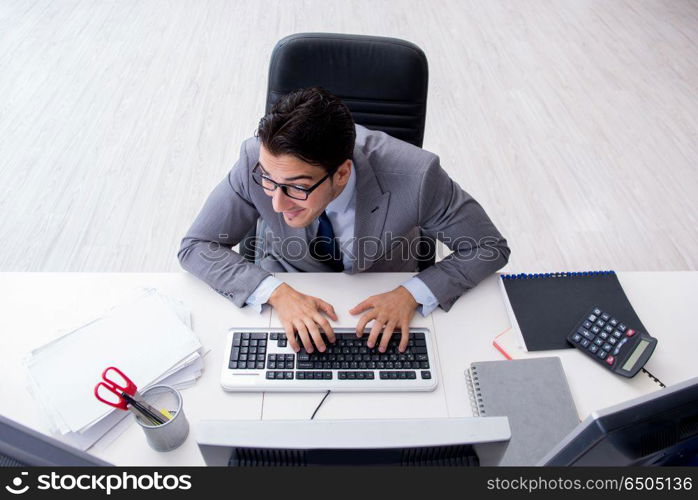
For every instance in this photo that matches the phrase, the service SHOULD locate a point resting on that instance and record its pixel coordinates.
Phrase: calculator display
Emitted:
(635, 355)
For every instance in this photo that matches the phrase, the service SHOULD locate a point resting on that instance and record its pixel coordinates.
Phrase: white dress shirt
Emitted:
(342, 212)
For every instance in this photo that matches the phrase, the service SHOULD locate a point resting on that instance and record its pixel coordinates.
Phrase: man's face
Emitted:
(287, 169)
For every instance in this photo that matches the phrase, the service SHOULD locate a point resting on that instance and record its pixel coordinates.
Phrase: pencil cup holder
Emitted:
(171, 434)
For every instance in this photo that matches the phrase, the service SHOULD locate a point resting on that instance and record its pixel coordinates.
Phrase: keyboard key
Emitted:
(300, 375)
(271, 375)
(233, 365)
(251, 365)
(342, 375)
(411, 375)
(245, 336)
(260, 365)
(259, 335)
(288, 375)
(426, 375)
(383, 375)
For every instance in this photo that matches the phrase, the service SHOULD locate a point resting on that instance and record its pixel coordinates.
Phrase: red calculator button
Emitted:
(610, 360)
(630, 332)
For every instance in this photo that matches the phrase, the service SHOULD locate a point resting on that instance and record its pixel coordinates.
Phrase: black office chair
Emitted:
(383, 81)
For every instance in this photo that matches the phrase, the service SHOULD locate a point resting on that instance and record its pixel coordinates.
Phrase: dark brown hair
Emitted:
(312, 125)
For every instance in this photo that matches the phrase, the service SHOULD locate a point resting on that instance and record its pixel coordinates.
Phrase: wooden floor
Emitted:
(574, 123)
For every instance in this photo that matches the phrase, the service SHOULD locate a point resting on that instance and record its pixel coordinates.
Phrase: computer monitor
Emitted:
(658, 429)
(21, 446)
(414, 442)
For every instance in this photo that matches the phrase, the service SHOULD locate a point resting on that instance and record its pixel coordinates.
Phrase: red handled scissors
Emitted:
(127, 395)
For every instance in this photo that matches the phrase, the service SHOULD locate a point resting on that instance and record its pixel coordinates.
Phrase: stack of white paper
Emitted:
(149, 339)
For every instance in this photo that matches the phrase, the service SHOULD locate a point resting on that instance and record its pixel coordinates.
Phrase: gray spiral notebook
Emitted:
(534, 394)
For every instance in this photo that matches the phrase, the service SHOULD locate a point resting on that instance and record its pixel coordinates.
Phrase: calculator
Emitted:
(612, 343)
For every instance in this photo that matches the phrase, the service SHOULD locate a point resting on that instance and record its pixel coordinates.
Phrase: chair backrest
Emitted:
(383, 81)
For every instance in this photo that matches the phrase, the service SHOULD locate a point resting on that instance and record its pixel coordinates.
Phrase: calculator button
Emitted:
(598, 342)
(587, 324)
(606, 316)
(577, 338)
(600, 323)
(592, 318)
(616, 351)
(630, 332)
(603, 335)
(613, 322)
(601, 354)
(597, 311)
(610, 360)
(612, 341)
(622, 327)
(617, 334)
(593, 348)
(595, 329)
(608, 328)
(585, 343)
(607, 347)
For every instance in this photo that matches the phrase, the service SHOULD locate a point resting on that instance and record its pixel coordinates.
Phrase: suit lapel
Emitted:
(371, 211)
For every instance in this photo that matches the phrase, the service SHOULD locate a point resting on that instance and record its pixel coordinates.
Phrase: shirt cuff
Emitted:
(261, 294)
(421, 293)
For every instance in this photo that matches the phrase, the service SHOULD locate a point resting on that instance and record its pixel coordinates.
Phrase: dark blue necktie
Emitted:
(325, 247)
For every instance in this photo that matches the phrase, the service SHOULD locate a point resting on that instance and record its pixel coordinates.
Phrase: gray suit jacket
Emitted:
(400, 189)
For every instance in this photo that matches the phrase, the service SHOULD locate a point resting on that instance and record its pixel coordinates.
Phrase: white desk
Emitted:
(36, 307)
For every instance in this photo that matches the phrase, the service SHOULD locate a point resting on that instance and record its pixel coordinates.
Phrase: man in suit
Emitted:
(335, 196)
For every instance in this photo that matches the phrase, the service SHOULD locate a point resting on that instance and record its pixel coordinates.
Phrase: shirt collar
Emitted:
(341, 202)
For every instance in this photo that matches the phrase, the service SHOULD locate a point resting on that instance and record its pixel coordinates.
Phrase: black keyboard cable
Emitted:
(320, 404)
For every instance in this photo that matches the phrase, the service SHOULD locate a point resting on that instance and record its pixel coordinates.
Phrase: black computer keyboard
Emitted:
(348, 364)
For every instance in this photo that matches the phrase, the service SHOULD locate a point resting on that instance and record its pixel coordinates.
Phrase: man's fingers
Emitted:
(315, 334)
(362, 323)
(387, 333)
(305, 337)
(291, 337)
(405, 327)
(326, 327)
(328, 308)
(373, 336)
(361, 306)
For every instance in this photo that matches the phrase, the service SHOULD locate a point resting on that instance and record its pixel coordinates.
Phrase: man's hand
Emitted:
(389, 310)
(303, 313)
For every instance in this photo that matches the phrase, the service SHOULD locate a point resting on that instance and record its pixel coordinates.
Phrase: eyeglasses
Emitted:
(295, 192)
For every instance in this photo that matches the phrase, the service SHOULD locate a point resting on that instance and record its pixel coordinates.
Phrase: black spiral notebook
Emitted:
(545, 307)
